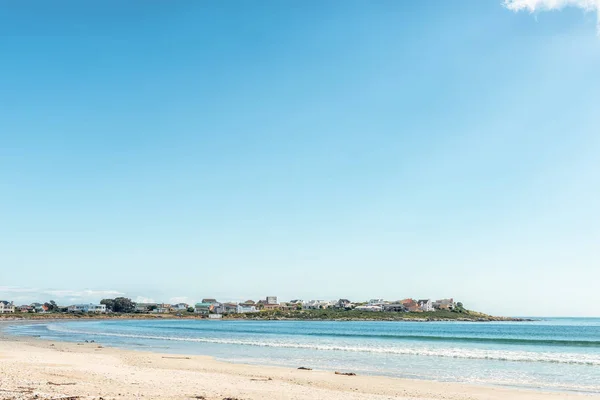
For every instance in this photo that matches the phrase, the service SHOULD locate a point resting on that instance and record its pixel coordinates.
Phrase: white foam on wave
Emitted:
(475, 354)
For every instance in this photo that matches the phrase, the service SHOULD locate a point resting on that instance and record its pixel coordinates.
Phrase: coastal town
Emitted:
(212, 308)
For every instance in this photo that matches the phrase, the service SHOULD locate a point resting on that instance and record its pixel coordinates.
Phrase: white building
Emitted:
(316, 305)
(369, 308)
(226, 308)
(343, 304)
(145, 307)
(97, 308)
(162, 308)
(426, 305)
(444, 304)
(272, 300)
(243, 308)
(180, 307)
(24, 309)
(376, 302)
(219, 309)
(6, 307)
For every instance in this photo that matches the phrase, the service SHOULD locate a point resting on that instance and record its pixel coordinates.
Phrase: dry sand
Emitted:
(36, 369)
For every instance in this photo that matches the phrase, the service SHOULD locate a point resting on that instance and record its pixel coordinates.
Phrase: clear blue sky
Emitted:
(180, 150)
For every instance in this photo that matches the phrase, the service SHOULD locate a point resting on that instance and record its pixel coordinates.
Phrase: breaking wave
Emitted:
(432, 338)
(476, 354)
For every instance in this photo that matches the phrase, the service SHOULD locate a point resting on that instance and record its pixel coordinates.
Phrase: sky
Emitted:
(170, 151)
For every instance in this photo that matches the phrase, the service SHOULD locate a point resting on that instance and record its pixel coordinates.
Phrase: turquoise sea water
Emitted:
(551, 354)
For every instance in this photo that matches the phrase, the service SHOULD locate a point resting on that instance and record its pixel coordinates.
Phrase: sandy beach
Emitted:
(36, 369)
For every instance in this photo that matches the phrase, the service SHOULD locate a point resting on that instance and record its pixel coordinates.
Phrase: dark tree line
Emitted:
(119, 305)
(51, 306)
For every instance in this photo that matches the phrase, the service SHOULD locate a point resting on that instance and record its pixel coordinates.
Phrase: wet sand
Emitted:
(35, 369)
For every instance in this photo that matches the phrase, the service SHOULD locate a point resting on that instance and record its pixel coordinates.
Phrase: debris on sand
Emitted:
(62, 384)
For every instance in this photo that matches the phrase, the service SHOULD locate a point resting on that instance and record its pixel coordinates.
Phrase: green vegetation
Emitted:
(119, 305)
(349, 315)
(92, 315)
(122, 307)
(51, 306)
(308, 315)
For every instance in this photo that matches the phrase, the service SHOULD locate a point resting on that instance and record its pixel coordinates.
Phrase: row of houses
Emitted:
(95, 308)
(6, 307)
(408, 305)
(210, 306)
(9, 307)
(160, 308)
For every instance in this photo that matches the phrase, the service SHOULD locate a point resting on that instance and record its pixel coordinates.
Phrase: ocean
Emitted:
(558, 354)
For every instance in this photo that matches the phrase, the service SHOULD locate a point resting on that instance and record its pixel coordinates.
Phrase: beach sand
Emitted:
(36, 369)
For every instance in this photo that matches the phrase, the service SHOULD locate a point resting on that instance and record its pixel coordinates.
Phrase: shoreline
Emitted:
(246, 317)
(91, 371)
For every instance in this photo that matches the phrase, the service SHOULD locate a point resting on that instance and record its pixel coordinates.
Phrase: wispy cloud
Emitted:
(83, 293)
(142, 299)
(552, 5)
(18, 290)
(25, 293)
(177, 300)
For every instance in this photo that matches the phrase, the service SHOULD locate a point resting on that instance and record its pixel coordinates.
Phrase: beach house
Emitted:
(343, 304)
(444, 304)
(425, 305)
(369, 308)
(315, 305)
(39, 307)
(271, 307)
(246, 308)
(286, 306)
(270, 303)
(226, 308)
(162, 308)
(410, 305)
(25, 308)
(145, 307)
(230, 308)
(203, 308)
(95, 308)
(394, 307)
(219, 308)
(180, 306)
(6, 307)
